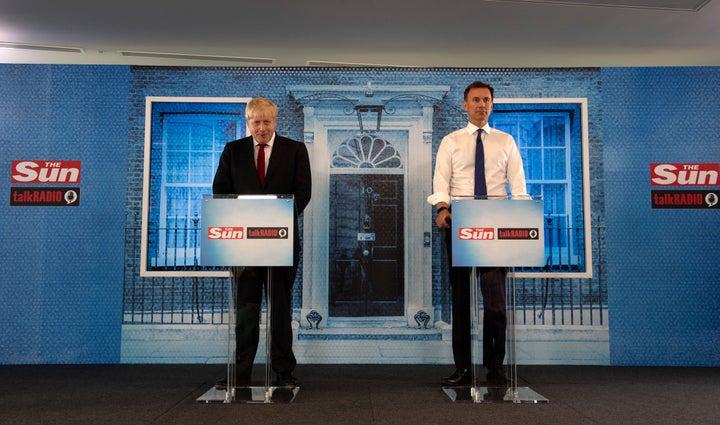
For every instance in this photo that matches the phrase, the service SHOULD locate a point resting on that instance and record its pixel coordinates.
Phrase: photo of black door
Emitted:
(366, 253)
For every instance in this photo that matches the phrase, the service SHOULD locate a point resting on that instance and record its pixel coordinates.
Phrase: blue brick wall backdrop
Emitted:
(61, 279)
(274, 83)
(662, 263)
(64, 278)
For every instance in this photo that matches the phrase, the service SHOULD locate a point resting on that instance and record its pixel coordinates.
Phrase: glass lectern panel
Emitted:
(238, 232)
(491, 237)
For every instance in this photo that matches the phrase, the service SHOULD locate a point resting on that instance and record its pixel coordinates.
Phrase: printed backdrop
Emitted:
(75, 287)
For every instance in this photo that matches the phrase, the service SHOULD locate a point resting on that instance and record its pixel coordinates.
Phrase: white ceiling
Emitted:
(453, 33)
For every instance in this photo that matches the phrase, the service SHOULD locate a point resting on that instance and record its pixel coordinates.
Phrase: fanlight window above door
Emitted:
(366, 151)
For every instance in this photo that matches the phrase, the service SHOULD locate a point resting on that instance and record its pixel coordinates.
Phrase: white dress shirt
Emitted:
(455, 165)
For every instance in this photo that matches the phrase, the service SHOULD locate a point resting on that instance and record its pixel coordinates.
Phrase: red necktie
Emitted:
(261, 164)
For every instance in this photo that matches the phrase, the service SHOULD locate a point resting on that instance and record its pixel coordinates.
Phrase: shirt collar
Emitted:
(270, 143)
(472, 128)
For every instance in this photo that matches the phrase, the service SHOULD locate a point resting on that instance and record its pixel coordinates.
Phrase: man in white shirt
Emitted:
(454, 177)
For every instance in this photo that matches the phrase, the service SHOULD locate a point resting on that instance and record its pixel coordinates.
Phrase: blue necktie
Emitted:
(480, 185)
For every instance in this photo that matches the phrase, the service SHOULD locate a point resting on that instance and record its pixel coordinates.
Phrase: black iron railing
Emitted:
(203, 300)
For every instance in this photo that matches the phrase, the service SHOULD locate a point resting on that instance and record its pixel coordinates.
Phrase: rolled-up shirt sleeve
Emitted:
(442, 175)
(516, 174)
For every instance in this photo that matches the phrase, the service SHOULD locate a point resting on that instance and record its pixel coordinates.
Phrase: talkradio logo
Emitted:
(66, 172)
(59, 196)
(267, 232)
(518, 233)
(685, 199)
(225, 232)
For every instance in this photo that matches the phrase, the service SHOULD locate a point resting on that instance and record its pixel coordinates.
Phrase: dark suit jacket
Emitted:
(288, 173)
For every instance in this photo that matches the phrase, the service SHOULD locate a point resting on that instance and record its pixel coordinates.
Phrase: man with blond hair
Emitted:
(265, 163)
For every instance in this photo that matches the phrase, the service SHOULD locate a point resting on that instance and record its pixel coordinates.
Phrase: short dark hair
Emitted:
(479, 85)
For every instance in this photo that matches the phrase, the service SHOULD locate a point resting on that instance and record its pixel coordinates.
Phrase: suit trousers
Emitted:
(250, 283)
(494, 296)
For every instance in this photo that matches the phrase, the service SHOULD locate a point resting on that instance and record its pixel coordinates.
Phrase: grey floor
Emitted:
(355, 394)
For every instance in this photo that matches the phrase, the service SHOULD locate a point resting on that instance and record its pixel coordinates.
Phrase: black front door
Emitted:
(366, 267)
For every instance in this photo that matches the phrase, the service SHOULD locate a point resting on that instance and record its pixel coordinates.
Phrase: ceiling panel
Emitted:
(679, 5)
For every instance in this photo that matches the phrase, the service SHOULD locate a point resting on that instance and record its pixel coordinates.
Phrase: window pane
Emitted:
(202, 168)
(530, 131)
(227, 131)
(532, 161)
(202, 137)
(555, 166)
(554, 131)
(176, 167)
(177, 135)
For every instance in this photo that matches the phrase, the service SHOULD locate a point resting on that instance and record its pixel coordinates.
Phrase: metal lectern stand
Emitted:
(230, 220)
(505, 233)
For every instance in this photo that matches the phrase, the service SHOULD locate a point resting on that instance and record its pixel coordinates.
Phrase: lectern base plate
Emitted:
(493, 395)
(250, 395)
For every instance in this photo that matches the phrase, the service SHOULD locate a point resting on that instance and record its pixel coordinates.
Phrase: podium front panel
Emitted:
(497, 233)
(247, 230)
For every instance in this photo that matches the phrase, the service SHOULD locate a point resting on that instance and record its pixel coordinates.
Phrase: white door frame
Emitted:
(329, 108)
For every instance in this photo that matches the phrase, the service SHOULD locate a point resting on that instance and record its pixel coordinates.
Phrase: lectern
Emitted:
(496, 232)
(247, 231)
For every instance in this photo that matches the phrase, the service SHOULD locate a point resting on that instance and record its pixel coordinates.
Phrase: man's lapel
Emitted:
(276, 158)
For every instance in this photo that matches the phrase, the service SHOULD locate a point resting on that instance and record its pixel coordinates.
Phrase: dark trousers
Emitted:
(250, 283)
(494, 296)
